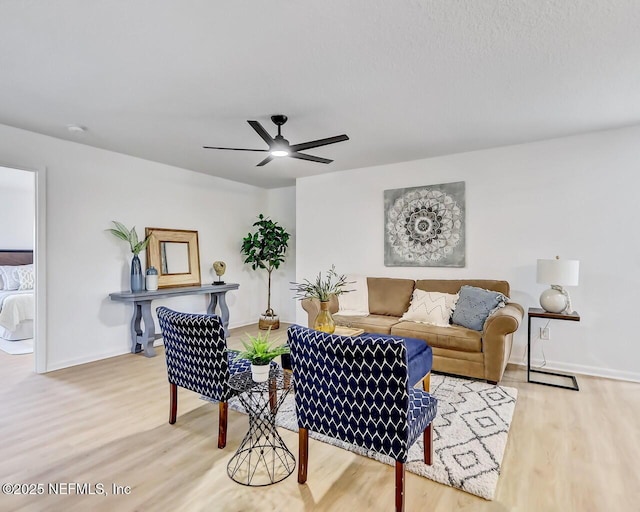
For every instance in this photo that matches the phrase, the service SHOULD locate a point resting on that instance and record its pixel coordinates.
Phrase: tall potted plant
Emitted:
(322, 289)
(265, 249)
(136, 245)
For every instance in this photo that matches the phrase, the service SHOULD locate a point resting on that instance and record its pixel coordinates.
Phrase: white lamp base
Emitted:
(556, 300)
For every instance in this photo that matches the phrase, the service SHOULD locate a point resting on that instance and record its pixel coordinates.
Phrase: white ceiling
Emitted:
(405, 79)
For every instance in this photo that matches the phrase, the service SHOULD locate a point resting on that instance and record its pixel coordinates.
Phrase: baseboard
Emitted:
(255, 322)
(83, 360)
(592, 371)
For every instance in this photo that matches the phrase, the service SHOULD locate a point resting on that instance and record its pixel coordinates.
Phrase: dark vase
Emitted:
(137, 277)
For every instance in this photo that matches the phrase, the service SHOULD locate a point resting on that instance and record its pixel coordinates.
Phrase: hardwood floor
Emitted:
(107, 422)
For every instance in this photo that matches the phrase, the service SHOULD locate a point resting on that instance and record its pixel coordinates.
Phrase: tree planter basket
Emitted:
(269, 322)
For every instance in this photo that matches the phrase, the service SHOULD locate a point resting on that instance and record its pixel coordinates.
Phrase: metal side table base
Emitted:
(262, 458)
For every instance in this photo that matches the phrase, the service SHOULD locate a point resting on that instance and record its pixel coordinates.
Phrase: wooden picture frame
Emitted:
(162, 243)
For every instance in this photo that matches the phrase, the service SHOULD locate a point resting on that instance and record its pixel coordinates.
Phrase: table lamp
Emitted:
(557, 273)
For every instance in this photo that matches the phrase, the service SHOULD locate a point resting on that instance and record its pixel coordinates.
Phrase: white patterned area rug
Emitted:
(469, 438)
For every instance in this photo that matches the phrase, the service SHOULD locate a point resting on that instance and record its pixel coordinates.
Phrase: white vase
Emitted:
(260, 372)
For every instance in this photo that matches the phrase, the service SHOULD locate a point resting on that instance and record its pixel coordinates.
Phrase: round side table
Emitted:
(262, 458)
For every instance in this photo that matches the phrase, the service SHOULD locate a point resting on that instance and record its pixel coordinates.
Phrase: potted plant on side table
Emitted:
(260, 351)
(322, 289)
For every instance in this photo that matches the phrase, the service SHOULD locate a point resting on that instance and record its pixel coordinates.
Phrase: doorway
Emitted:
(22, 269)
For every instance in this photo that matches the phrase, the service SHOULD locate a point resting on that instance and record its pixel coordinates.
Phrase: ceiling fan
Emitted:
(279, 146)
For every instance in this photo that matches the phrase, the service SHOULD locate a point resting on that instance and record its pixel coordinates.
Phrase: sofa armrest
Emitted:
(497, 339)
(312, 307)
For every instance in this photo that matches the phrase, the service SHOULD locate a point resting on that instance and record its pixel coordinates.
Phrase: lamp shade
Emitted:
(560, 272)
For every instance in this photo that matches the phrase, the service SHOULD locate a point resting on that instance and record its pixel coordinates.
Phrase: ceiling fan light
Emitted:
(279, 152)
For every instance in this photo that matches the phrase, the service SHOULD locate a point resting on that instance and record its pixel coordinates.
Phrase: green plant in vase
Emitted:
(322, 289)
(137, 246)
(261, 351)
(266, 249)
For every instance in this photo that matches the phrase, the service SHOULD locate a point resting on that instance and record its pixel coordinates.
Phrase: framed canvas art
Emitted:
(425, 226)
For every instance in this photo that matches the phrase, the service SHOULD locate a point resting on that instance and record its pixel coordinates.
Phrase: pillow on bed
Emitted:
(9, 277)
(25, 277)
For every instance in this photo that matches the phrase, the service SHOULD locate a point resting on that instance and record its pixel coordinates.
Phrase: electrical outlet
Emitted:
(544, 333)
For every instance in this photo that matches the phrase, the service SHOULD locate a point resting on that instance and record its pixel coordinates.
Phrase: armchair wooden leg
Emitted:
(427, 438)
(399, 486)
(303, 454)
(426, 382)
(173, 403)
(222, 424)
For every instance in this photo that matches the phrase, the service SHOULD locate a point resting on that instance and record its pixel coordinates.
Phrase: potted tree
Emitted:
(260, 351)
(322, 289)
(266, 249)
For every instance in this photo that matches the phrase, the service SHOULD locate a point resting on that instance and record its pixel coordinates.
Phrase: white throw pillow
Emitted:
(10, 277)
(356, 302)
(432, 308)
(25, 277)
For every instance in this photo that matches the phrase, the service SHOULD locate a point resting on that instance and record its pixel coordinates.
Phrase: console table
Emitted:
(142, 340)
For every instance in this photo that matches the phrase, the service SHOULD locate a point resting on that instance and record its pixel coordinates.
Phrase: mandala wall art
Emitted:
(425, 226)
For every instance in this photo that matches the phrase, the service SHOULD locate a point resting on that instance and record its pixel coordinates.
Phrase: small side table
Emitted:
(262, 458)
(541, 313)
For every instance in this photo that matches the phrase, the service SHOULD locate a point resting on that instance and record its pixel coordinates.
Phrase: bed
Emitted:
(16, 306)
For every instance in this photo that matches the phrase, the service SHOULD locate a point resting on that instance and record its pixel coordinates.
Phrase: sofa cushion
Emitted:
(454, 285)
(389, 296)
(453, 337)
(380, 324)
(475, 305)
(419, 355)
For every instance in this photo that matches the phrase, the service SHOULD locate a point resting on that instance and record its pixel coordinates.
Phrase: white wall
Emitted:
(575, 197)
(17, 209)
(86, 189)
(282, 209)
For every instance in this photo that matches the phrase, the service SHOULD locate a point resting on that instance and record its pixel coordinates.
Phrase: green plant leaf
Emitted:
(119, 234)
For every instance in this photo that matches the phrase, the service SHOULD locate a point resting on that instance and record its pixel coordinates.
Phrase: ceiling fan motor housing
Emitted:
(279, 119)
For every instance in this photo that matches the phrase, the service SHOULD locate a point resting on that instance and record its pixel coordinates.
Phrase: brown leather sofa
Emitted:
(456, 349)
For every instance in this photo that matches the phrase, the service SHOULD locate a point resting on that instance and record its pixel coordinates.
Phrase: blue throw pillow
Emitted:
(475, 305)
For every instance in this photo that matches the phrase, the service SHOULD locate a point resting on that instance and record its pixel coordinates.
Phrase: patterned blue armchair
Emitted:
(198, 360)
(357, 390)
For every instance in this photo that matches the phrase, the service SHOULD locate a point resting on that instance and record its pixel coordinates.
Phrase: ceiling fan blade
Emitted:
(311, 158)
(235, 149)
(262, 132)
(318, 143)
(265, 161)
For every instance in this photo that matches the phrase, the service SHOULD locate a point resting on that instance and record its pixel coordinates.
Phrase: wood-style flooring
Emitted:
(107, 422)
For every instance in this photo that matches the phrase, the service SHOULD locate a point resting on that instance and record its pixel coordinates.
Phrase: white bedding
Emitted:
(16, 307)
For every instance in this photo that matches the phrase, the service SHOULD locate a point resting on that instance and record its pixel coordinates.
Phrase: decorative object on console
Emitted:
(152, 279)
(219, 267)
(475, 305)
(266, 249)
(130, 235)
(433, 308)
(176, 255)
(425, 226)
(260, 351)
(323, 291)
(557, 273)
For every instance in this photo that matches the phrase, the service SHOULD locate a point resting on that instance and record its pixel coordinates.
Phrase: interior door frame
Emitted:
(39, 262)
